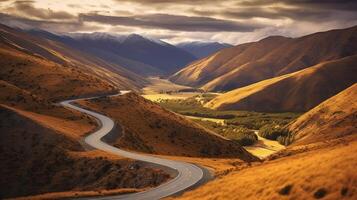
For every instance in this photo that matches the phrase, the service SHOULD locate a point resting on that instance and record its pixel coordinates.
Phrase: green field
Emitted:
(238, 124)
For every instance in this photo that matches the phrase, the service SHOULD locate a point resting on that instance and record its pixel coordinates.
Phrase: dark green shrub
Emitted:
(276, 132)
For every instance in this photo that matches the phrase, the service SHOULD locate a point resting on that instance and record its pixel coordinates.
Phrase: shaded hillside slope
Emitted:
(40, 150)
(152, 129)
(273, 56)
(35, 159)
(332, 119)
(62, 54)
(298, 91)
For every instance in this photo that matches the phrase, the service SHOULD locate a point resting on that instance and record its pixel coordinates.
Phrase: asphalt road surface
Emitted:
(187, 174)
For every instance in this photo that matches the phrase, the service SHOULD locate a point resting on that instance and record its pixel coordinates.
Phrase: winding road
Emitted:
(188, 174)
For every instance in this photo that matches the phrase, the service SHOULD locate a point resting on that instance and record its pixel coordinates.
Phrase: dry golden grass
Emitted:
(57, 52)
(329, 169)
(332, 119)
(78, 194)
(45, 78)
(319, 164)
(74, 129)
(48, 160)
(157, 85)
(216, 166)
(40, 110)
(274, 56)
(299, 91)
(160, 89)
(39, 143)
(151, 129)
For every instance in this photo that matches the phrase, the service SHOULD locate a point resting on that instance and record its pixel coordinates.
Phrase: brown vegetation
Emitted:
(301, 176)
(40, 151)
(295, 92)
(65, 56)
(152, 129)
(319, 164)
(36, 159)
(45, 78)
(271, 57)
(335, 118)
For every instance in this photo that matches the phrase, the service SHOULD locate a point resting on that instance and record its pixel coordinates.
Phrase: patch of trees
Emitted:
(276, 132)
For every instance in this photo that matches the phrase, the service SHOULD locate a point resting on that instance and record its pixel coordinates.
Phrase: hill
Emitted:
(39, 141)
(202, 49)
(334, 118)
(297, 92)
(151, 129)
(319, 164)
(45, 78)
(274, 56)
(41, 154)
(64, 55)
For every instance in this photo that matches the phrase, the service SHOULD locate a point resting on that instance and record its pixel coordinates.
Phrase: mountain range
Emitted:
(142, 55)
(273, 56)
(295, 92)
(277, 74)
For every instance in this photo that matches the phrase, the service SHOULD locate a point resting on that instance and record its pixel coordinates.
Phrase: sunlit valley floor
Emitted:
(240, 126)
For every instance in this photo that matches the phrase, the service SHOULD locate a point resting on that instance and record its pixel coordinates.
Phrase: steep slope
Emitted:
(35, 159)
(298, 91)
(320, 164)
(62, 54)
(274, 56)
(46, 78)
(152, 129)
(202, 49)
(202, 71)
(39, 141)
(136, 53)
(327, 173)
(334, 118)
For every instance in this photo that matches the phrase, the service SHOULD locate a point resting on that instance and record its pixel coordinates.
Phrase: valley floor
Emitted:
(162, 90)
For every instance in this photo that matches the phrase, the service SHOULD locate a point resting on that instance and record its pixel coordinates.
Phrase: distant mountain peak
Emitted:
(135, 36)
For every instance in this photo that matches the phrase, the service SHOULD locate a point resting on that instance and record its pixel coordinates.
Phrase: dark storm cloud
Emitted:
(54, 26)
(272, 13)
(350, 5)
(172, 22)
(27, 8)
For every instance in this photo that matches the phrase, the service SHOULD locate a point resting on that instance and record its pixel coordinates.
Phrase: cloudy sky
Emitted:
(231, 21)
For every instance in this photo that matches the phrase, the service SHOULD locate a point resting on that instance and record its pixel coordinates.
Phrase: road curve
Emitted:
(187, 174)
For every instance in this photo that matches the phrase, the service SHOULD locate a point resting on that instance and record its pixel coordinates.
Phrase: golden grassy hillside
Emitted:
(62, 54)
(36, 157)
(298, 91)
(271, 57)
(202, 71)
(320, 164)
(152, 129)
(45, 78)
(322, 173)
(40, 152)
(332, 119)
